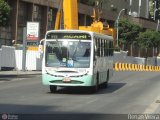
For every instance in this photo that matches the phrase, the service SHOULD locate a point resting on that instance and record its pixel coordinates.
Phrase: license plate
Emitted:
(67, 79)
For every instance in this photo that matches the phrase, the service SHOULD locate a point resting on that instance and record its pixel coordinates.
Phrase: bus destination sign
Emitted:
(82, 36)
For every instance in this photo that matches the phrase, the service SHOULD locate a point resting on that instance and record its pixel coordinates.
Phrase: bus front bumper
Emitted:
(86, 80)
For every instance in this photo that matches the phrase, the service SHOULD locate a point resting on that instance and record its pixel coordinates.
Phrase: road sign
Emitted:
(32, 30)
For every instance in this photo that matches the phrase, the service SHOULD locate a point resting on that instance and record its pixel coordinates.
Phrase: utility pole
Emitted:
(139, 8)
(117, 21)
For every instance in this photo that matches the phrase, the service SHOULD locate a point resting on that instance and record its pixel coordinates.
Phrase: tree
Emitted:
(4, 13)
(149, 39)
(128, 32)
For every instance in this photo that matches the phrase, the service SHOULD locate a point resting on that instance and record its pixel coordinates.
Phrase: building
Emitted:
(136, 8)
(44, 12)
(141, 12)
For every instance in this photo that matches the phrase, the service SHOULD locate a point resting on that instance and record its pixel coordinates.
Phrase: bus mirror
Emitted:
(95, 52)
(40, 51)
(95, 55)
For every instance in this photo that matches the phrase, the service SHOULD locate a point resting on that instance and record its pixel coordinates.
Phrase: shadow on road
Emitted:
(42, 112)
(112, 87)
(10, 77)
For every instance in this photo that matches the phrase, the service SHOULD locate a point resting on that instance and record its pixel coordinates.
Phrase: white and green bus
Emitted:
(76, 58)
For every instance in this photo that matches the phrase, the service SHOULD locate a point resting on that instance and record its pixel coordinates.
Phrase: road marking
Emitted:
(84, 104)
(153, 106)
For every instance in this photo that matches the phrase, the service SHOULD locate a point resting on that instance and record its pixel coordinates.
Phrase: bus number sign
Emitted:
(66, 79)
(82, 36)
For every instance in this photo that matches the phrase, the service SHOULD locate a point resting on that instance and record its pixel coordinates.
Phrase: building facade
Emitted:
(135, 8)
(44, 12)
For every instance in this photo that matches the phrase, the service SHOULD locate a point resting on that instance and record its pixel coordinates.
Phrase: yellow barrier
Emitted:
(156, 68)
(132, 67)
(143, 68)
(129, 67)
(150, 68)
(123, 67)
(146, 68)
(140, 68)
(135, 67)
(120, 66)
(116, 66)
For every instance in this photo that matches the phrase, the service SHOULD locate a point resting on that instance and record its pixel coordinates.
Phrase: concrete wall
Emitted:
(32, 62)
(9, 57)
(122, 57)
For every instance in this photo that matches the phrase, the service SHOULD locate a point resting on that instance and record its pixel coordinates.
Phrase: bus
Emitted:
(76, 58)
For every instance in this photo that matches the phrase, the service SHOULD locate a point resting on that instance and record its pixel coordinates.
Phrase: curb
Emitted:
(18, 73)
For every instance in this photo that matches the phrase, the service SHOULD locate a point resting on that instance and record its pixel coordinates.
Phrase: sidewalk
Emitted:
(16, 73)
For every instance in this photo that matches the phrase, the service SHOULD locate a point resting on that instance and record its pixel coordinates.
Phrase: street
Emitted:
(127, 93)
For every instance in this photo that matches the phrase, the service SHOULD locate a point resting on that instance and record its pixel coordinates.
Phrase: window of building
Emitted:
(51, 18)
(22, 21)
(37, 17)
(37, 13)
(22, 13)
(5, 36)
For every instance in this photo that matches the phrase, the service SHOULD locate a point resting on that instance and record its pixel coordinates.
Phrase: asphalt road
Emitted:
(128, 93)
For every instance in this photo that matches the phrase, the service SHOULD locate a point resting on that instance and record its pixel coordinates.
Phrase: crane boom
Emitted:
(58, 16)
(70, 18)
(70, 11)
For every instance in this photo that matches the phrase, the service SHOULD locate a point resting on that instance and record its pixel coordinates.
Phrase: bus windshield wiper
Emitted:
(75, 50)
(59, 48)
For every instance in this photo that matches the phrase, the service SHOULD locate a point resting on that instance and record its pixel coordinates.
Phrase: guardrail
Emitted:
(135, 67)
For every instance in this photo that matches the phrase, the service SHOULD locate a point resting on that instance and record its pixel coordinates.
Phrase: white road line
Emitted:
(84, 104)
(152, 107)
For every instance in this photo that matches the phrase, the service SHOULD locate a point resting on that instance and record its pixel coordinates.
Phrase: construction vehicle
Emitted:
(70, 18)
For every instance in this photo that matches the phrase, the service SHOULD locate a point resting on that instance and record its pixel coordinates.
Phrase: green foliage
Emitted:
(149, 39)
(4, 13)
(128, 32)
(132, 34)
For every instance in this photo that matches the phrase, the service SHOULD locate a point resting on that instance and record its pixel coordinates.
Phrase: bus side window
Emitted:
(98, 47)
(110, 48)
(102, 48)
(106, 47)
(95, 48)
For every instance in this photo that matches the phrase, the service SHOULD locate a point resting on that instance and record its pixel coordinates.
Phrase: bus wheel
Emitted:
(53, 88)
(94, 89)
(105, 84)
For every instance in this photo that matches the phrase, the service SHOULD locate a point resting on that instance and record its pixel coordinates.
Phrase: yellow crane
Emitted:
(70, 18)
(58, 16)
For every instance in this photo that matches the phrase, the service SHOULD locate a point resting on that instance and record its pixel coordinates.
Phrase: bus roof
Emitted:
(80, 31)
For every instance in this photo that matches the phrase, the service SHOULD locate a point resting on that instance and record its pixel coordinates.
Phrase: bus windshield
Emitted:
(68, 53)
